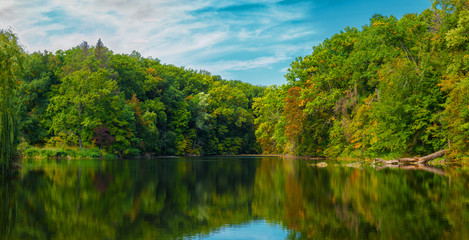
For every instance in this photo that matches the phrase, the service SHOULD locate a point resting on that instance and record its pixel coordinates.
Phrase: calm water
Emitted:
(231, 198)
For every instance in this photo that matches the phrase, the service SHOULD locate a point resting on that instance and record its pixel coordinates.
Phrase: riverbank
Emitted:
(65, 153)
(31, 152)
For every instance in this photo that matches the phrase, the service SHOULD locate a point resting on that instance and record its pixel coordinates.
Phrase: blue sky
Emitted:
(248, 40)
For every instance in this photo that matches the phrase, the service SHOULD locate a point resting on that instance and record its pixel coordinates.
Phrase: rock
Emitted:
(321, 164)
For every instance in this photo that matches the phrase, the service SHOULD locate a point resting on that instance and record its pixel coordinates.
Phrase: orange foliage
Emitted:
(294, 115)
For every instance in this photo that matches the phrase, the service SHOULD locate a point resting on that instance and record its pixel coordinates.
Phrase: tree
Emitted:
(456, 80)
(87, 100)
(199, 123)
(130, 75)
(11, 59)
(268, 110)
(230, 120)
(102, 136)
(36, 87)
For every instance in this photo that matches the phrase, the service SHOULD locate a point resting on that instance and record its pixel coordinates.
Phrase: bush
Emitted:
(61, 153)
(109, 156)
(47, 153)
(30, 152)
(88, 153)
(131, 152)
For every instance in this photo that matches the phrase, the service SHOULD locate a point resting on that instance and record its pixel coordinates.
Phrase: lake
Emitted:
(231, 198)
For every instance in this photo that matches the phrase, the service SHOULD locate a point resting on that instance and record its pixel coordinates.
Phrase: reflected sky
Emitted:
(258, 229)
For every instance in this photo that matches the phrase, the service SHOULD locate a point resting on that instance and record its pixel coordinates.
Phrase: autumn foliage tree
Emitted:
(102, 136)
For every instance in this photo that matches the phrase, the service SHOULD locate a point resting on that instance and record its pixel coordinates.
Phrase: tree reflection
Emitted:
(348, 203)
(173, 198)
(7, 208)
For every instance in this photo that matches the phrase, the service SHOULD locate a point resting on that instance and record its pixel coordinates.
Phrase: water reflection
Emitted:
(256, 229)
(206, 198)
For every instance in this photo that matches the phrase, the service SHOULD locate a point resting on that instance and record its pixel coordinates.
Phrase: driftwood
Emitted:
(432, 156)
(386, 162)
(407, 160)
(415, 160)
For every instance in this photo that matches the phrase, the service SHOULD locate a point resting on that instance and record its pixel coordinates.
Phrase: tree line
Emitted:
(129, 105)
(396, 87)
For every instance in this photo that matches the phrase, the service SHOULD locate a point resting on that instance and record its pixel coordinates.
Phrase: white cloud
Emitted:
(166, 29)
(260, 62)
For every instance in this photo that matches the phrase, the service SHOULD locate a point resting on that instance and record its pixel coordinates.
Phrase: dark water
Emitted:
(231, 198)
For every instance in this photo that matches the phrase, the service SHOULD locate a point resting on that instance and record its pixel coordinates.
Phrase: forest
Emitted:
(128, 105)
(395, 87)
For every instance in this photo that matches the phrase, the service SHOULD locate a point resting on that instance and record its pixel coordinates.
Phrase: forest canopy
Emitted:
(395, 87)
(129, 105)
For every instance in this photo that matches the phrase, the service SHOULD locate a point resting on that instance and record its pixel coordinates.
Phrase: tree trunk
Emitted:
(415, 160)
(432, 156)
(79, 137)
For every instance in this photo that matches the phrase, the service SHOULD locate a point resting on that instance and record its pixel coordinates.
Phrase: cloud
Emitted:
(217, 35)
(260, 62)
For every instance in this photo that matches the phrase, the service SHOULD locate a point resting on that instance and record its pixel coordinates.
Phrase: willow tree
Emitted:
(11, 54)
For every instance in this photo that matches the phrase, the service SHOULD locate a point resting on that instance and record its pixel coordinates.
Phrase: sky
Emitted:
(249, 40)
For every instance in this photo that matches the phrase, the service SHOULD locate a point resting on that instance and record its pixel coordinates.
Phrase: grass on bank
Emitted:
(64, 153)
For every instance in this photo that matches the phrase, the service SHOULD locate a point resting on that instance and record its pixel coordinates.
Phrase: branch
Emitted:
(410, 57)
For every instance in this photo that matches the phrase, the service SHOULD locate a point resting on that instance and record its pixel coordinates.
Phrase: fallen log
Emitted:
(432, 156)
(407, 160)
(414, 160)
(386, 162)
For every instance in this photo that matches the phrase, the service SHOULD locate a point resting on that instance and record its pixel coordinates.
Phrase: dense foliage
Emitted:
(129, 105)
(11, 55)
(396, 87)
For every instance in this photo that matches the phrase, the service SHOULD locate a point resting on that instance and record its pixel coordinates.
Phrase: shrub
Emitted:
(31, 152)
(88, 153)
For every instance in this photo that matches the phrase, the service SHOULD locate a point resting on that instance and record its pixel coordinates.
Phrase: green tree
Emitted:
(231, 119)
(87, 100)
(455, 82)
(37, 86)
(11, 59)
(268, 110)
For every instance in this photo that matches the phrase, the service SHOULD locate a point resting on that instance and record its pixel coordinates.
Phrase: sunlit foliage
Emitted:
(396, 87)
(148, 108)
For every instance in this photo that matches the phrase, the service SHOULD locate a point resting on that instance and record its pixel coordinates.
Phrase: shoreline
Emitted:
(95, 153)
